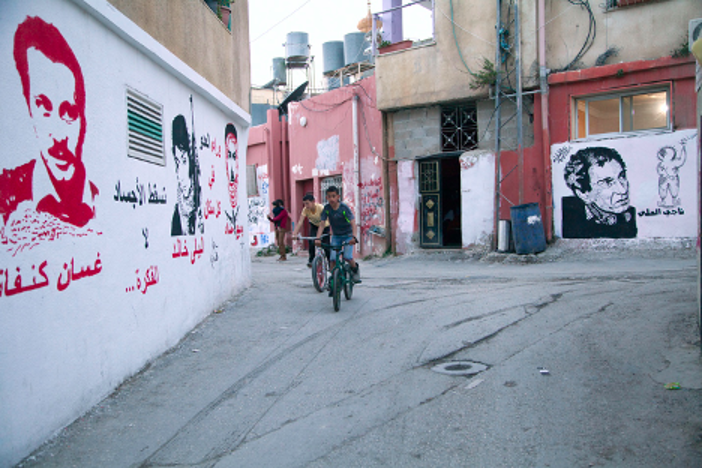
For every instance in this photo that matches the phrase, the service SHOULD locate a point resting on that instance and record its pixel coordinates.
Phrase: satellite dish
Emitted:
(295, 96)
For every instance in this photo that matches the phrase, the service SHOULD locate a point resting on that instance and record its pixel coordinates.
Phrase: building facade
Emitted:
(333, 138)
(120, 201)
(589, 80)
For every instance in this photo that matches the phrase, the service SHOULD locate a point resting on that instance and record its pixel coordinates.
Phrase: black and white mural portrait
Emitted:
(187, 213)
(636, 187)
(599, 206)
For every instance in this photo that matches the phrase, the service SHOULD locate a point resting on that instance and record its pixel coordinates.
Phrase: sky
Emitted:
(324, 20)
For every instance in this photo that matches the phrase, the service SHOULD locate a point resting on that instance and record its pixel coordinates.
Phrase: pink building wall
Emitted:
(321, 131)
(269, 153)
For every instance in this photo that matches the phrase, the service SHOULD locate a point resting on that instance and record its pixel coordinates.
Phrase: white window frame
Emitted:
(621, 95)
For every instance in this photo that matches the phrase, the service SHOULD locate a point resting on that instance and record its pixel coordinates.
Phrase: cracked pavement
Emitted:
(277, 379)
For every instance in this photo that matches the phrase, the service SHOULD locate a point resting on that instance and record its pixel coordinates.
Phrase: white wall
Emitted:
(477, 201)
(405, 241)
(65, 345)
(657, 214)
(259, 209)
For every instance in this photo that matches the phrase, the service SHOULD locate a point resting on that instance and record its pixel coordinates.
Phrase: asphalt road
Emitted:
(572, 354)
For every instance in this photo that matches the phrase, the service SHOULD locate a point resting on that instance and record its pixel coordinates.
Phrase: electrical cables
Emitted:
(591, 33)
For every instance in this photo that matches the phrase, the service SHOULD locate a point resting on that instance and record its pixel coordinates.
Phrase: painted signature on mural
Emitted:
(180, 249)
(561, 154)
(658, 211)
(10, 287)
(150, 278)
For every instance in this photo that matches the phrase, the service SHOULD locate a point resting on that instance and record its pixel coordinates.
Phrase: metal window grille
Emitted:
(459, 128)
(429, 176)
(144, 128)
(328, 182)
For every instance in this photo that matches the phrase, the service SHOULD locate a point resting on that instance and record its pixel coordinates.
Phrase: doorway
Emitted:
(440, 199)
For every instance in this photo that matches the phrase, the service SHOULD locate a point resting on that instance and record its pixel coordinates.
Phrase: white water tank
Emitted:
(333, 52)
(279, 72)
(355, 44)
(297, 49)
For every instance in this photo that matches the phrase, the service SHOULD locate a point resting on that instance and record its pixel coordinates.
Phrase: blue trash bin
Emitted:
(527, 229)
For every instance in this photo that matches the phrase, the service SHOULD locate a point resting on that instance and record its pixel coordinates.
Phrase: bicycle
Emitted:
(320, 265)
(341, 276)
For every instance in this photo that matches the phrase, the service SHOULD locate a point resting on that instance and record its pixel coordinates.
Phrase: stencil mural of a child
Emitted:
(668, 168)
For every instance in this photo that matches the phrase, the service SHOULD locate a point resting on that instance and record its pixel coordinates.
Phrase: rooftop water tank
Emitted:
(333, 52)
(279, 74)
(354, 45)
(297, 49)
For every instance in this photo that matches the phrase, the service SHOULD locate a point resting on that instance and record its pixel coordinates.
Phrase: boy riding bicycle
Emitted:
(313, 212)
(343, 225)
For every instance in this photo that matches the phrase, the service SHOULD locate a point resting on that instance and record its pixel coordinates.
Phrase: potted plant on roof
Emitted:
(387, 46)
(224, 11)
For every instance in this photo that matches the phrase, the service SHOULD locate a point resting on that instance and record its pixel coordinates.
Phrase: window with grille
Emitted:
(625, 112)
(429, 176)
(144, 128)
(328, 182)
(459, 128)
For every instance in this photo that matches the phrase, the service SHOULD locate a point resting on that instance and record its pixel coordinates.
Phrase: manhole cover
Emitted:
(459, 368)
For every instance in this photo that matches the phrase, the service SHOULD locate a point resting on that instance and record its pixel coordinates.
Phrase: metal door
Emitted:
(430, 199)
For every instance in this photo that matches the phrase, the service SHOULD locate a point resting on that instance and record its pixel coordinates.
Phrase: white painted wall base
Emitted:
(477, 197)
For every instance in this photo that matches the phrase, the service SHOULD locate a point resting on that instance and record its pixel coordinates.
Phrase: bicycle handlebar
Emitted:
(311, 238)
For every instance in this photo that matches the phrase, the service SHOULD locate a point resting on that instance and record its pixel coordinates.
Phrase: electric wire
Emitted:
(591, 33)
(455, 38)
(278, 23)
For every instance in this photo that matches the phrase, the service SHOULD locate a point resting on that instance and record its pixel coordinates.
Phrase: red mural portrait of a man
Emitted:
(54, 183)
(230, 141)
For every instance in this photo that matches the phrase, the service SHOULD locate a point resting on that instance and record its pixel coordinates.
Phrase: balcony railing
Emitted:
(418, 15)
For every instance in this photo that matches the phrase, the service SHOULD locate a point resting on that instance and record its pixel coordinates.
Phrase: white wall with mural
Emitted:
(259, 208)
(106, 260)
(638, 187)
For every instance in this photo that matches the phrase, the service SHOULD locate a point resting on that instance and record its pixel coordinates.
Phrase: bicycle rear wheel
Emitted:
(348, 286)
(336, 293)
(319, 274)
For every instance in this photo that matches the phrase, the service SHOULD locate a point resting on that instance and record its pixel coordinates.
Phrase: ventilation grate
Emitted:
(145, 128)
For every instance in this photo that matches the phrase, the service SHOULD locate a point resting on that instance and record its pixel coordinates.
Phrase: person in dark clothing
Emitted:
(281, 219)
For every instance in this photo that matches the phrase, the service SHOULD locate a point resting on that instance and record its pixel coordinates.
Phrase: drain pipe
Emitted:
(545, 131)
(356, 172)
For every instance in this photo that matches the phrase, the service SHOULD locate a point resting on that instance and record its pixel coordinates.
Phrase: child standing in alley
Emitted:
(281, 219)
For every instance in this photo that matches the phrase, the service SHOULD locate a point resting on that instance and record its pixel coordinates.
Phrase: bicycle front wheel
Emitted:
(348, 286)
(336, 286)
(319, 274)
